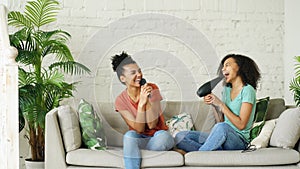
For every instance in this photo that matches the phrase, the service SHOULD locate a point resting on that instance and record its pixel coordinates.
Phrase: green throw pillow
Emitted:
(259, 117)
(91, 125)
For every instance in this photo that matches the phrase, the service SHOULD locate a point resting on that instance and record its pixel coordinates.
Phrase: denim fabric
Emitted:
(133, 142)
(222, 137)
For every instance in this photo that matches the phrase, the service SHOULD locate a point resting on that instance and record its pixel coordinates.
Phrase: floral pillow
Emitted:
(180, 122)
(93, 135)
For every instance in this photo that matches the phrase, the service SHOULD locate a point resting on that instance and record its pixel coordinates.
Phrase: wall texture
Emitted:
(177, 43)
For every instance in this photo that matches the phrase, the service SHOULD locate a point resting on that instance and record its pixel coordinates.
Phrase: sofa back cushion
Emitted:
(202, 116)
(115, 127)
(275, 108)
(69, 126)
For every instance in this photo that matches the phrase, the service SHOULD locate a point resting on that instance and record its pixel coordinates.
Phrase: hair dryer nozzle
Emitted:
(207, 87)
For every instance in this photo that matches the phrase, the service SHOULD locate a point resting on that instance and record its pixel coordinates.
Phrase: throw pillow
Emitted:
(70, 128)
(262, 140)
(180, 122)
(93, 135)
(260, 116)
(287, 130)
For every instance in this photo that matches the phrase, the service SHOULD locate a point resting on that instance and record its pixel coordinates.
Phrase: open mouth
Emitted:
(226, 74)
(137, 80)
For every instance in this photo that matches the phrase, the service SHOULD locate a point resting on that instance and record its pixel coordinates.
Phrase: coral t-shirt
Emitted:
(124, 102)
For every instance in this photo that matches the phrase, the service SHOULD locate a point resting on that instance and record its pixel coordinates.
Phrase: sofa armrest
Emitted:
(55, 155)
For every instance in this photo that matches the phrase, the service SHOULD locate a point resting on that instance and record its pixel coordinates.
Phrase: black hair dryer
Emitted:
(207, 87)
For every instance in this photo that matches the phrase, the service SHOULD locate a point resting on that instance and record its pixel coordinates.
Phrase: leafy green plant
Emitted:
(41, 85)
(295, 83)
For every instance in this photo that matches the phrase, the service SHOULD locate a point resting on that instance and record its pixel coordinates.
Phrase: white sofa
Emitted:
(56, 156)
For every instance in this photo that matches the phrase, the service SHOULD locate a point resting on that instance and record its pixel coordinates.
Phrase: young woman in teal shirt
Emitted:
(234, 113)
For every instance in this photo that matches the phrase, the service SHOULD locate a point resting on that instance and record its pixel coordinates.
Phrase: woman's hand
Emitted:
(212, 99)
(145, 93)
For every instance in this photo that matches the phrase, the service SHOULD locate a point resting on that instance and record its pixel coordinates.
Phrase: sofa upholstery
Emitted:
(56, 156)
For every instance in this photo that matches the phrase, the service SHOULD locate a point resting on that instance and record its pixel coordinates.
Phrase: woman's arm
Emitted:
(240, 121)
(138, 122)
(219, 116)
(153, 110)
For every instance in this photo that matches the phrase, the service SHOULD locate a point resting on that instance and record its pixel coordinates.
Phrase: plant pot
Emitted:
(34, 164)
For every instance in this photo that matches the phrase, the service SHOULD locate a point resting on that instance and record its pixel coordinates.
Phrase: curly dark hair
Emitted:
(118, 61)
(248, 69)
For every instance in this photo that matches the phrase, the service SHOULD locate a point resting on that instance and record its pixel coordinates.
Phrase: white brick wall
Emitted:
(252, 28)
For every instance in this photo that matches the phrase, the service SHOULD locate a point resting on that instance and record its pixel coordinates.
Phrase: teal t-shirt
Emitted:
(247, 94)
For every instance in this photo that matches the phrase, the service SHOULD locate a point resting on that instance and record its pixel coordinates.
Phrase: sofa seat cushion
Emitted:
(88, 157)
(113, 157)
(260, 157)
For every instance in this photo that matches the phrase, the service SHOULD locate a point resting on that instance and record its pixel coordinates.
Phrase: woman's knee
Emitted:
(131, 134)
(164, 135)
(180, 136)
(221, 127)
(163, 141)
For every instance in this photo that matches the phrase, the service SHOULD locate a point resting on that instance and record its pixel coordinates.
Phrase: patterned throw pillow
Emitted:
(260, 117)
(91, 125)
(180, 122)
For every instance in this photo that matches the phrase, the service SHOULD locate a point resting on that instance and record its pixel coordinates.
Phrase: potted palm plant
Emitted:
(295, 83)
(41, 85)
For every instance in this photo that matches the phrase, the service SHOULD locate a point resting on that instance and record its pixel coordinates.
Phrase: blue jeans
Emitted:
(133, 142)
(222, 137)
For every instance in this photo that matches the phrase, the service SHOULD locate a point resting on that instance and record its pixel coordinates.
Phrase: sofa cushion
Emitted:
(260, 157)
(69, 126)
(262, 140)
(105, 158)
(114, 125)
(260, 116)
(287, 129)
(93, 135)
(201, 113)
(113, 157)
(275, 108)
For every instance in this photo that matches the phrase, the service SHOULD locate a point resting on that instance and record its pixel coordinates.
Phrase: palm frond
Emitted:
(25, 78)
(22, 39)
(297, 66)
(58, 35)
(42, 12)
(54, 94)
(295, 88)
(61, 50)
(295, 82)
(54, 78)
(17, 19)
(27, 102)
(27, 57)
(70, 67)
